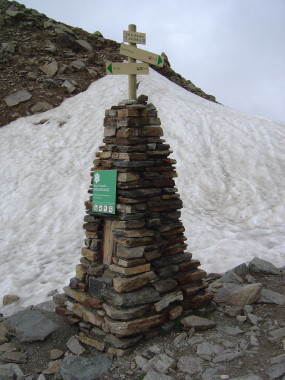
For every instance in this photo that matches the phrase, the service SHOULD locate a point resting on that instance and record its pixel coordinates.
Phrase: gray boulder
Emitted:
(41, 107)
(276, 370)
(30, 325)
(78, 368)
(262, 266)
(241, 270)
(17, 97)
(10, 372)
(78, 65)
(50, 69)
(85, 45)
(230, 277)
(268, 296)
(246, 295)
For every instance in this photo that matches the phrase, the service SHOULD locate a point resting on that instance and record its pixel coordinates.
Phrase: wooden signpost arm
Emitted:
(132, 77)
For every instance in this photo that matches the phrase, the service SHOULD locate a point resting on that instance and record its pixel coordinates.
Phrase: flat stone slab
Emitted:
(30, 325)
(246, 295)
(227, 357)
(77, 368)
(18, 97)
(198, 323)
(268, 296)
(190, 365)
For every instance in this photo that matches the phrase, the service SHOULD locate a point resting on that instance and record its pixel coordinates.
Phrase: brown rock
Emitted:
(56, 354)
(127, 132)
(14, 357)
(127, 284)
(194, 302)
(132, 121)
(175, 312)
(7, 347)
(191, 290)
(135, 252)
(246, 295)
(168, 271)
(3, 333)
(110, 131)
(127, 263)
(165, 285)
(10, 298)
(123, 342)
(119, 351)
(186, 278)
(83, 297)
(167, 299)
(52, 367)
(138, 297)
(135, 233)
(153, 131)
(134, 326)
(129, 156)
(90, 255)
(125, 313)
(91, 226)
(87, 314)
(50, 69)
(190, 265)
(100, 346)
(198, 323)
(128, 177)
(127, 112)
(81, 272)
(130, 271)
(135, 242)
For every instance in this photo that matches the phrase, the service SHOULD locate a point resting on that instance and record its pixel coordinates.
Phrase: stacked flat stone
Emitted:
(150, 279)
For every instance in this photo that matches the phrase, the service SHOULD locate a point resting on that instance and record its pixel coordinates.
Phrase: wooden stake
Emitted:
(132, 77)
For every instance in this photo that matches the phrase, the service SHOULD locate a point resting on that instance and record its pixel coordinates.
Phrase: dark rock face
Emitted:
(52, 61)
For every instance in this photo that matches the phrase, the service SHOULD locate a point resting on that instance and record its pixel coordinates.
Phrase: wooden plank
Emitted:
(108, 242)
(134, 37)
(142, 55)
(127, 68)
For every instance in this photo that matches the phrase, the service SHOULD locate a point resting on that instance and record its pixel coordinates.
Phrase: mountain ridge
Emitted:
(43, 62)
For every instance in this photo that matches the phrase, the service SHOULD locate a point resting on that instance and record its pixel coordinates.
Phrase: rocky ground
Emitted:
(240, 336)
(43, 62)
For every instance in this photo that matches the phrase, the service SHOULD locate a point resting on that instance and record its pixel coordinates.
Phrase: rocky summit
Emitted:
(240, 336)
(43, 62)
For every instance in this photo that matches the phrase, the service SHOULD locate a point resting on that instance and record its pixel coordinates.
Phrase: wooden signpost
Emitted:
(134, 37)
(132, 68)
(142, 55)
(127, 68)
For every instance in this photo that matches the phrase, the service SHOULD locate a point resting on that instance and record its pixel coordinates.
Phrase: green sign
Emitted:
(104, 191)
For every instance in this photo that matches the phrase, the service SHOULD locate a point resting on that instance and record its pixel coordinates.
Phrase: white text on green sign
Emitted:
(142, 55)
(134, 37)
(104, 191)
(127, 68)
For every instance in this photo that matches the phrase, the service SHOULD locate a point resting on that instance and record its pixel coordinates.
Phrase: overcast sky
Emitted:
(232, 49)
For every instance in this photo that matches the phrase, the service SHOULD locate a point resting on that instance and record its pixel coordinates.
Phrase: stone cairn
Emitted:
(134, 273)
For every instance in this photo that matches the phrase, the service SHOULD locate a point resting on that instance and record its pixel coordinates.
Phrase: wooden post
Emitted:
(132, 77)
